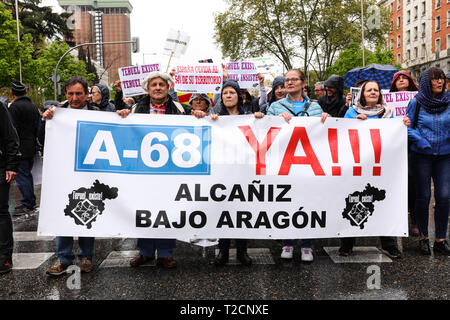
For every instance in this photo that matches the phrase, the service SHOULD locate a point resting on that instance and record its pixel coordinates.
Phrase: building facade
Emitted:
(102, 21)
(419, 34)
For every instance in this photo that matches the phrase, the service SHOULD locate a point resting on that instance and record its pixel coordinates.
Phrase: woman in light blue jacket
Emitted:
(296, 104)
(429, 137)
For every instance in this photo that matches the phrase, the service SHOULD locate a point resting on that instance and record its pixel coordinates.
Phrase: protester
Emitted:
(158, 102)
(200, 102)
(25, 118)
(402, 81)
(295, 104)
(250, 104)
(232, 104)
(76, 90)
(9, 163)
(333, 102)
(429, 138)
(319, 90)
(307, 90)
(100, 98)
(129, 102)
(278, 92)
(369, 104)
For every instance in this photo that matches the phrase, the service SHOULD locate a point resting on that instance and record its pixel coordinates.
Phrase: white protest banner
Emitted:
(237, 177)
(245, 73)
(198, 78)
(132, 77)
(266, 66)
(176, 43)
(399, 101)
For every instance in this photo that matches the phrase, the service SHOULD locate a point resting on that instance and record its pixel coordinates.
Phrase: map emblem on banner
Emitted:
(360, 205)
(86, 204)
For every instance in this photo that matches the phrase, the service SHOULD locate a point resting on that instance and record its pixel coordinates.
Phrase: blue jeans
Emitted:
(427, 167)
(25, 183)
(164, 247)
(304, 243)
(64, 248)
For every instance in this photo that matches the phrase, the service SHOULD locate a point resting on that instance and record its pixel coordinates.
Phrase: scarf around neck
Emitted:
(375, 110)
(425, 98)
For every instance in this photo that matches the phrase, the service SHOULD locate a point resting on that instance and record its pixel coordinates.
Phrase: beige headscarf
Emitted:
(373, 111)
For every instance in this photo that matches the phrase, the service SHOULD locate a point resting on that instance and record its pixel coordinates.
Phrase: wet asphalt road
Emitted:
(414, 277)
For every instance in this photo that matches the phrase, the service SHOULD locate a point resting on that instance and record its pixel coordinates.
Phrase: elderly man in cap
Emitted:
(9, 162)
(333, 102)
(25, 118)
(158, 102)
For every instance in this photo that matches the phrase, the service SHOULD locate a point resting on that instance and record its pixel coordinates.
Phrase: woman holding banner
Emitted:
(295, 104)
(429, 137)
(402, 81)
(231, 103)
(369, 104)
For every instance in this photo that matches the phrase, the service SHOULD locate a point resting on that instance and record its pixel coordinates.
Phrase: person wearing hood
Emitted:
(429, 138)
(333, 102)
(231, 103)
(402, 81)
(200, 101)
(100, 98)
(295, 104)
(277, 92)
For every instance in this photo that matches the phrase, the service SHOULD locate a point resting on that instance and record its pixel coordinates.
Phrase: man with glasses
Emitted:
(319, 90)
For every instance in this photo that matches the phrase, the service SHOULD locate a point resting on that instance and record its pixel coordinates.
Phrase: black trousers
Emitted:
(6, 226)
(224, 244)
(386, 242)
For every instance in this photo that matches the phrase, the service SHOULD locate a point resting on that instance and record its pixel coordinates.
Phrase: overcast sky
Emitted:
(152, 20)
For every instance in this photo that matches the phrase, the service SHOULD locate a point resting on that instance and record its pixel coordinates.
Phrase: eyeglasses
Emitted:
(291, 80)
(318, 90)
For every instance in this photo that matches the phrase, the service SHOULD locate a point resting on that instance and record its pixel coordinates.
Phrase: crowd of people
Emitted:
(22, 133)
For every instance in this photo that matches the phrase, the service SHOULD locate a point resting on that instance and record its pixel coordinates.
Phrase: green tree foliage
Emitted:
(352, 58)
(11, 50)
(301, 33)
(68, 67)
(38, 21)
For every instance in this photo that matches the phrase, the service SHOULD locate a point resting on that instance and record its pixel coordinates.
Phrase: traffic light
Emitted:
(135, 47)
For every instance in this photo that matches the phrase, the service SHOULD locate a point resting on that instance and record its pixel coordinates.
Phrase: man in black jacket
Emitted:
(9, 162)
(25, 117)
(77, 93)
(333, 102)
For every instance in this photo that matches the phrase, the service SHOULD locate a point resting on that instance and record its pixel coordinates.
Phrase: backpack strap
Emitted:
(179, 107)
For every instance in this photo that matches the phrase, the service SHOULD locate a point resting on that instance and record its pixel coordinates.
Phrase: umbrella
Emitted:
(381, 73)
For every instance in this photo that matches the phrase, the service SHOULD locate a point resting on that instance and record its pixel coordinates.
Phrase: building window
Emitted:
(399, 41)
(398, 22)
(408, 36)
(437, 45)
(408, 16)
(398, 58)
(424, 8)
(438, 23)
(423, 30)
(438, 4)
(448, 42)
(392, 44)
(392, 7)
(398, 4)
(416, 10)
(416, 52)
(415, 33)
(448, 18)
(423, 50)
(408, 54)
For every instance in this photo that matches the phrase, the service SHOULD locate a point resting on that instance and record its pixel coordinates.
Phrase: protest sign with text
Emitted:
(399, 101)
(245, 73)
(237, 177)
(198, 78)
(132, 77)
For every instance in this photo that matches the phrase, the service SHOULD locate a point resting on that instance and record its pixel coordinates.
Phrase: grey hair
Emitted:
(320, 83)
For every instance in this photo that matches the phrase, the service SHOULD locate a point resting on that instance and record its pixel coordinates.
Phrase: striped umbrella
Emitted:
(381, 73)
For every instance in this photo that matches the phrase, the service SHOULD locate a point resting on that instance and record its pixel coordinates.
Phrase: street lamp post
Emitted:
(55, 80)
(18, 39)
(362, 33)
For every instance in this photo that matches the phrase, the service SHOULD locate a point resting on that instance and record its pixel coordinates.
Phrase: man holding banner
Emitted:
(157, 102)
(77, 93)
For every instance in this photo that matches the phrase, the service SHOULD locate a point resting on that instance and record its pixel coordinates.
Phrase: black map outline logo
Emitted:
(359, 205)
(85, 205)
